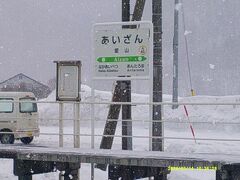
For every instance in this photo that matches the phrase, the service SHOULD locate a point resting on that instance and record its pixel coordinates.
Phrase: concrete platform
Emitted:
(118, 157)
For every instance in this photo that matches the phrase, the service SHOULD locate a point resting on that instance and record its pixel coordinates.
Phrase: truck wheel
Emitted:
(26, 140)
(7, 138)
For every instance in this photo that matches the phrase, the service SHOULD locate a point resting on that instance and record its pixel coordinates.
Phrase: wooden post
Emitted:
(126, 93)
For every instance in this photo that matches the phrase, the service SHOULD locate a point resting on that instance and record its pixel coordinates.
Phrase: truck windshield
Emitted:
(5, 106)
(26, 106)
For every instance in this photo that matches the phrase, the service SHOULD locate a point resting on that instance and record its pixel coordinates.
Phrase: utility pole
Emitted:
(157, 143)
(157, 125)
(175, 54)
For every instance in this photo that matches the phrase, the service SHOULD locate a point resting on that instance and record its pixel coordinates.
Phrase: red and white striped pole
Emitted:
(192, 130)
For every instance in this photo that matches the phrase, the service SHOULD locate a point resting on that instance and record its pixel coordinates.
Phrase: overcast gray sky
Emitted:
(34, 33)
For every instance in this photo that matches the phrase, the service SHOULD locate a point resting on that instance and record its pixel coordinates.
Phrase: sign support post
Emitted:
(122, 54)
(68, 89)
(126, 93)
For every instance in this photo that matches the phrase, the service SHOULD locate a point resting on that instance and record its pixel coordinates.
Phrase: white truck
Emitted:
(18, 117)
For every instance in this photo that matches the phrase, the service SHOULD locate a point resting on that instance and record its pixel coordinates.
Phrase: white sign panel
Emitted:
(68, 80)
(123, 51)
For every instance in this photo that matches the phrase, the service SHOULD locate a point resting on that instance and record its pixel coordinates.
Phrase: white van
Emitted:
(18, 117)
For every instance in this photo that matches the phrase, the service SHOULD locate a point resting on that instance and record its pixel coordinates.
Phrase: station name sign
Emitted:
(122, 51)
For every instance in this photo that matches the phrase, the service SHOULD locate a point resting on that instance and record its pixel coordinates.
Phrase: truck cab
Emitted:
(18, 117)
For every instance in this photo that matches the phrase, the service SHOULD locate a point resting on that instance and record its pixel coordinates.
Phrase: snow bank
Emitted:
(209, 115)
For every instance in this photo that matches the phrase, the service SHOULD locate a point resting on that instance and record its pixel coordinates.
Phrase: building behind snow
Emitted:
(23, 83)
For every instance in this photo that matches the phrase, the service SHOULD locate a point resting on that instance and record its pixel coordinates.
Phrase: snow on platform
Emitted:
(118, 157)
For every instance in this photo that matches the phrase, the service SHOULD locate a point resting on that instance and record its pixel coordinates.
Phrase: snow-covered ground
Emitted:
(176, 125)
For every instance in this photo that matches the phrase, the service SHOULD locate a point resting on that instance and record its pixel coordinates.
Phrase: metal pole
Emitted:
(157, 143)
(175, 55)
(92, 124)
(74, 125)
(60, 132)
(60, 124)
(78, 125)
(76, 130)
(76, 110)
